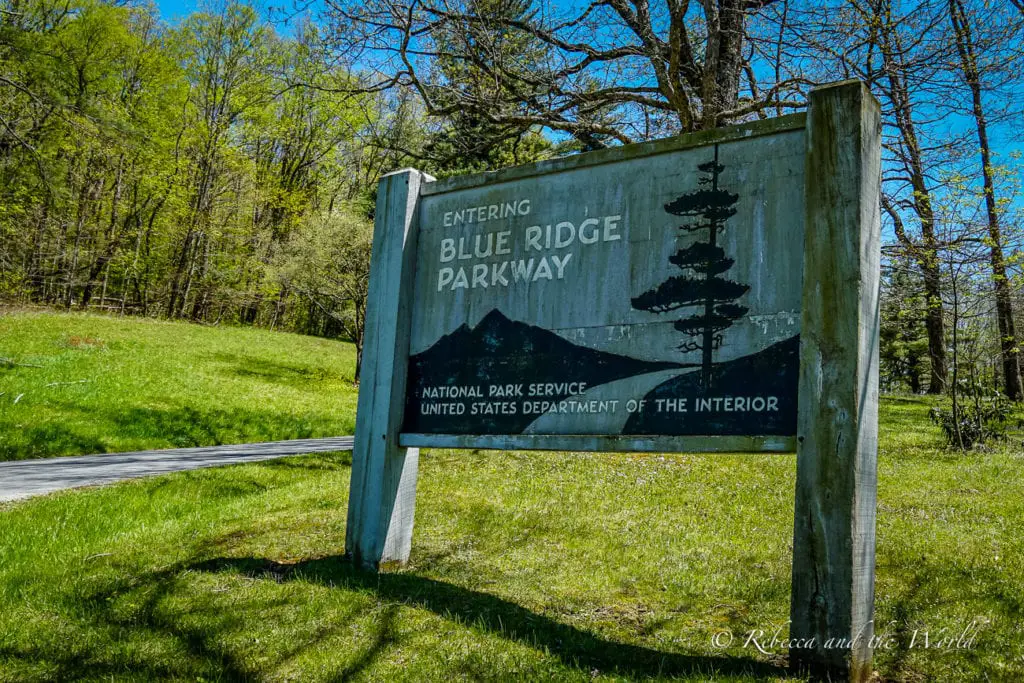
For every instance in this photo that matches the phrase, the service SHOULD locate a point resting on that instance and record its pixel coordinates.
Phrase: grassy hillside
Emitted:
(528, 566)
(94, 384)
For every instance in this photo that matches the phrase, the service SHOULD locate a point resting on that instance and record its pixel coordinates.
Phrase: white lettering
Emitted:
(521, 270)
(447, 250)
(533, 238)
(498, 274)
(501, 243)
(565, 234)
(594, 236)
(444, 277)
(484, 253)
(610, 226)
(560, 265)
(480, 275)
(543, 270)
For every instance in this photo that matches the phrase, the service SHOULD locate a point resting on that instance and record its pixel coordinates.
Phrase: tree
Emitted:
(328, 264)
(293, 140)
(145, 169)
(898, 52)
(903, 340)
(963, 33)
(93, 117)
(711, 206)
(225, 57)
(612, 71)
(900, 67)
(465, 141)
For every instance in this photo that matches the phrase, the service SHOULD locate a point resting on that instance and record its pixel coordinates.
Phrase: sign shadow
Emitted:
(575, 647)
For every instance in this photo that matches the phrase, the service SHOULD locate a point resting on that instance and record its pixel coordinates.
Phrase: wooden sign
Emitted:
(711, 292)
(654, 295)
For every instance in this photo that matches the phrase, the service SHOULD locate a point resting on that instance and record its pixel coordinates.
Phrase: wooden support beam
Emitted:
(382, 498)
(837, 442)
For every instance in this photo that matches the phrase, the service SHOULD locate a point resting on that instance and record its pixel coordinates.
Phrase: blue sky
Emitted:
(174, 10)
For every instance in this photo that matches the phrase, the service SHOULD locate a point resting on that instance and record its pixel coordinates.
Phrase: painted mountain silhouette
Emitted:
(769, 373)
(500, 351)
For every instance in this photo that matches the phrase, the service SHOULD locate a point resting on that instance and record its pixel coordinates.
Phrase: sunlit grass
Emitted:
(538, 566)
(93, 384)
(525, 566)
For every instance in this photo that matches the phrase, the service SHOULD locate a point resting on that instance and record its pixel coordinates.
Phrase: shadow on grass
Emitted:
(195, 634)
(329, 460)
(922, 401)
(290, 374)
(188, 426)
(575, 647)
(992, 606)
(197, 655)
(19, 443)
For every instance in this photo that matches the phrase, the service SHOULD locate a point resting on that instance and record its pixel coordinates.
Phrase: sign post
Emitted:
(382, 495)
(714, 292)
(834, 527)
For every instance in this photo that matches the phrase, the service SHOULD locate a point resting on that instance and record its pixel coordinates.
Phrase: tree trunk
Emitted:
(1004, 305)
(179, 272)
(113, 240)
(925, 253)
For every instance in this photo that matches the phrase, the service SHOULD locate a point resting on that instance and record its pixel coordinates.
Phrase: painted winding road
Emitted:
(636, 387)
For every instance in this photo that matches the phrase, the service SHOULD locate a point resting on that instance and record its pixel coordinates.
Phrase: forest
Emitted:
(222, 168)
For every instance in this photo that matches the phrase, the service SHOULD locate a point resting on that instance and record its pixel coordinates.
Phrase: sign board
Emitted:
(654, 295)
(711, 292)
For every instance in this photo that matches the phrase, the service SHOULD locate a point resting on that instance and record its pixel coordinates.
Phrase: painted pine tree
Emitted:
(703, 262)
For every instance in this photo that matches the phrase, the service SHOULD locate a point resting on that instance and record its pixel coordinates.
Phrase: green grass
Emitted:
(109, 384)
(534, 566)
(528, 566)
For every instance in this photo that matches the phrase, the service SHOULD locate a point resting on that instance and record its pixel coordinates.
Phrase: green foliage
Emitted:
(466, 139)
(903, 339)
(198, 171)
(470, 145)
(148, 169)
(980, 417)
(328, 265)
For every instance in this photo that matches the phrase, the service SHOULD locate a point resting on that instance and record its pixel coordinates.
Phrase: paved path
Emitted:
(25, 478)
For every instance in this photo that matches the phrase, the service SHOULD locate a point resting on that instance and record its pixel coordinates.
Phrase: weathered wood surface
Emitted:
(834, 526)
(382, 498)
(538, 276)
(590, 303)
(599, 442)
(21, 479)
